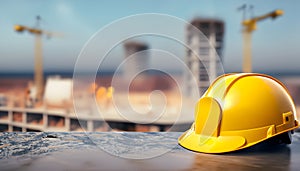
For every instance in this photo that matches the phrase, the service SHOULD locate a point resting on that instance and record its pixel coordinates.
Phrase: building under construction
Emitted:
(137, 58)
(205, 54)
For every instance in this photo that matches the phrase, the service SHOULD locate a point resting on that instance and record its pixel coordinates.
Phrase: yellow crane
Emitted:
(249, 25)
(38, 64)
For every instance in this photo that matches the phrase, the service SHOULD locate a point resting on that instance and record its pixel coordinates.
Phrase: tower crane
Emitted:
(249, 25)
(38, 55)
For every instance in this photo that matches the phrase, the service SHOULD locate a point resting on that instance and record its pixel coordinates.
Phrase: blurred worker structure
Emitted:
(204, 59)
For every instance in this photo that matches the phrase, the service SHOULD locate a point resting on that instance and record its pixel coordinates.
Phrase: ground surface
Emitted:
(133, 151)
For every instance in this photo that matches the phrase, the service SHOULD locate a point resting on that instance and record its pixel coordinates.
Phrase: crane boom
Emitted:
(273, 15)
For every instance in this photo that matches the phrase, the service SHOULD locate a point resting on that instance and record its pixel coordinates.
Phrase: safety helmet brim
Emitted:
(220, 144)
(210, 144)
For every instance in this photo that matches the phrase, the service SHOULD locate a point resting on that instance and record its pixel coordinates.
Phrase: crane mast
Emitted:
(38, 57)
(249, 25)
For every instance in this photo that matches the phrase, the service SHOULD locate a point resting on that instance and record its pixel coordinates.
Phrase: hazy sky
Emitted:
(275, 43)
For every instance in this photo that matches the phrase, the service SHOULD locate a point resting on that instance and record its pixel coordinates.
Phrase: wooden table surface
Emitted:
(133, 151)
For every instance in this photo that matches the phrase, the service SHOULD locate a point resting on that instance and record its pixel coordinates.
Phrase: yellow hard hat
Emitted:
(238, 111)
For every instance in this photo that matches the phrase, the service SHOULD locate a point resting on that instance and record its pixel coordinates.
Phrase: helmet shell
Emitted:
(253, 108)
